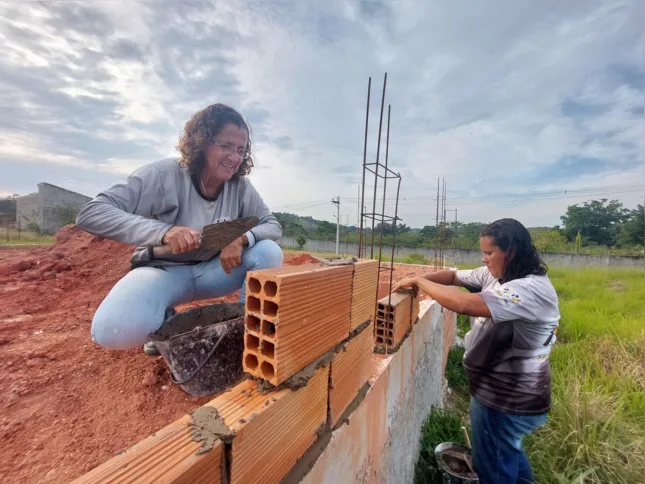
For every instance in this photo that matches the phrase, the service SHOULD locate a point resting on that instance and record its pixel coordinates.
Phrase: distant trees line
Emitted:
(594, 227)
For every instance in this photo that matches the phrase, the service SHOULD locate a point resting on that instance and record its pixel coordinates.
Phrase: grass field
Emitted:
(13, 237)
(596, 428)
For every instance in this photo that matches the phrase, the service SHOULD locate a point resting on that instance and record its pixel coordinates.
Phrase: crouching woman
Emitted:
(514, 315)
(169, 202)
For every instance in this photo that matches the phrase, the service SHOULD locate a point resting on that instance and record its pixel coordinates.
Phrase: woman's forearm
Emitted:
(445, 277)
(454, 299)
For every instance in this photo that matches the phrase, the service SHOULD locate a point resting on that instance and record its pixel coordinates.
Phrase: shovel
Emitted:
(216, 236)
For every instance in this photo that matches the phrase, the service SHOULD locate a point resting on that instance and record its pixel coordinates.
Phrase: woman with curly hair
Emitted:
(514, 315)
(169, 202)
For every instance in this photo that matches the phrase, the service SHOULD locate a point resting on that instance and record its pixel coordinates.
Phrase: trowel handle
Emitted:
(466, 437)
(161, 250)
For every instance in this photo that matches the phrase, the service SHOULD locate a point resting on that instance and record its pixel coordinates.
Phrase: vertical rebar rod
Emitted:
(362, 202)
(387, 155)
(378, 152)
(436, 231)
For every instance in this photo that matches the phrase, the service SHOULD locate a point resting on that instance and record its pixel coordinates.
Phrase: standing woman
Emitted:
(516, 316)
(169, 202)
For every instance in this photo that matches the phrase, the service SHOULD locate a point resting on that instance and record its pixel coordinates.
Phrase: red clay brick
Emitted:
(298, 313)
(364, 292)
(393, 319)
(350, 370)
(271, 437)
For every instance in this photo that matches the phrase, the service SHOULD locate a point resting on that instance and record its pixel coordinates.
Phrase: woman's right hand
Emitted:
(181, 239)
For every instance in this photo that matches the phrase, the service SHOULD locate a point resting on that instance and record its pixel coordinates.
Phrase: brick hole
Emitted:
(268, 328)
(252, 342)
(379, 340)
(253, 323)
(254, 286)
(253, 304)
(268, 372)
(251, 362)
(380, 332)
(270, 309)
(270, 288)
(268, 349)
(390, 342)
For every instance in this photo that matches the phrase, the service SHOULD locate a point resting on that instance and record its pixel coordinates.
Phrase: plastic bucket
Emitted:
(455, 471)
(203, 347)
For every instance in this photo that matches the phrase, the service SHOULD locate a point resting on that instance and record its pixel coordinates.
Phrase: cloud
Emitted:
(546, 97)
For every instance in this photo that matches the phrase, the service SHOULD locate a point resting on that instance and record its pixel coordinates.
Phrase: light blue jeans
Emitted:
(136, 305)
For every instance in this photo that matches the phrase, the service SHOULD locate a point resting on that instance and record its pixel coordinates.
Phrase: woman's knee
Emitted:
(122, 328)
(266, 255)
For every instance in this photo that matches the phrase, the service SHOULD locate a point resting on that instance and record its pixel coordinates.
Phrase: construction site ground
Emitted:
(68, 404)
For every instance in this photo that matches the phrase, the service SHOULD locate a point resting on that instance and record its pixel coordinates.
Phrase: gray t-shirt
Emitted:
(506, 357)
(161, 194)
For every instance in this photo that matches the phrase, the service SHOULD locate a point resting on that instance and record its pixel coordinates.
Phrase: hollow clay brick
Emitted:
(350, 370)
(394, 316)
(272, 437)
(364, 292)
(167, 456)
(299, 312)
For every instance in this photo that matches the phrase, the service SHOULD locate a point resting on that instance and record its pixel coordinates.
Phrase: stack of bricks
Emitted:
(394, 318)
(293, 316)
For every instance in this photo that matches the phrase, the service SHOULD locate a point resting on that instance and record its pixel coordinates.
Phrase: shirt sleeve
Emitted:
(126, 212)
(511, 301)
(268, 226)
(473, 279)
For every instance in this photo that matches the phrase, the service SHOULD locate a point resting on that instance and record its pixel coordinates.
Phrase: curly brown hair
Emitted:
(202, 127)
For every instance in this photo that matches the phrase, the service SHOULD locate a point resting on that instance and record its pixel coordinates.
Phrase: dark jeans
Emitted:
(497, 444)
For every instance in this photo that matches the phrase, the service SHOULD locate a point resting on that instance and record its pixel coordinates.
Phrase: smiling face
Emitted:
(225, 153)
(492, 256)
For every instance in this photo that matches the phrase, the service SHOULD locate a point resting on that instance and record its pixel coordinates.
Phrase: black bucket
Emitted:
(203, 347)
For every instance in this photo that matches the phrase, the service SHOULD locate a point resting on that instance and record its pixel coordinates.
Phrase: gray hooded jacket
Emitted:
(161, 194)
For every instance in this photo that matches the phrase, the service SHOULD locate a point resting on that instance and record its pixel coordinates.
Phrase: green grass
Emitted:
(442, 425)
(596, 428)
(13, 237)
(455, 374)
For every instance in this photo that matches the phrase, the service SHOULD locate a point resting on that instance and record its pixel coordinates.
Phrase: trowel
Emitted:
(216, 236)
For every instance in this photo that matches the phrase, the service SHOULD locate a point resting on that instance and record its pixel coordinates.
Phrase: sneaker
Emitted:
(150, 349)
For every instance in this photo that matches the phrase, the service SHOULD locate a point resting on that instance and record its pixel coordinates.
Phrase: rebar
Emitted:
(360, 209)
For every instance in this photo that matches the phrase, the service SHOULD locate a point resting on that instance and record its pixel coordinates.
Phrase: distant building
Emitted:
(49, 209)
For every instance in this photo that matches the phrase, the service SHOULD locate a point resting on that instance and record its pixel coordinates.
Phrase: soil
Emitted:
(67, 404)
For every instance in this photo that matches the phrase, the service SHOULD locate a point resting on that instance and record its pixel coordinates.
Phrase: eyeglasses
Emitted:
(230, 148)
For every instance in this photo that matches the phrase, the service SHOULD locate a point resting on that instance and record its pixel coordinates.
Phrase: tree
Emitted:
(598, 221)
(549, 241)
(632, 232)
(301, 240)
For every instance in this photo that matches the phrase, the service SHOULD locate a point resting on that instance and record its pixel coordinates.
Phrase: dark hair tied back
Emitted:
(522, 258)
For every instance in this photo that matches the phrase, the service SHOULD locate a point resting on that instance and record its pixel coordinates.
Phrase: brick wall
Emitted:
(449, 330)
(357, 419)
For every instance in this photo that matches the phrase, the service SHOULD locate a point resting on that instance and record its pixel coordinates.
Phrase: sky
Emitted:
(523, 108)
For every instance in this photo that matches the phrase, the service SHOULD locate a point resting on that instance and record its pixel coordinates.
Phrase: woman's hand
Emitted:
(231, 255)
(408, 282)
(181, 239)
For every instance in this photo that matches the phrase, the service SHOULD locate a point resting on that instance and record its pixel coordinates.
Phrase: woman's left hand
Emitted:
(231, 255)
(408, 282)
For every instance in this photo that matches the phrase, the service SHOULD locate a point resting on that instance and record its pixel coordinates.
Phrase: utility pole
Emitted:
(337, 203)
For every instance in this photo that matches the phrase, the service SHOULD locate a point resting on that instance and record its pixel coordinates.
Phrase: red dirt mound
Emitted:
(67, 405)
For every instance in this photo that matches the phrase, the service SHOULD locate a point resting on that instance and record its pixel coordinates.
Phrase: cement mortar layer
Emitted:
(208, 428)
(301, 378)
